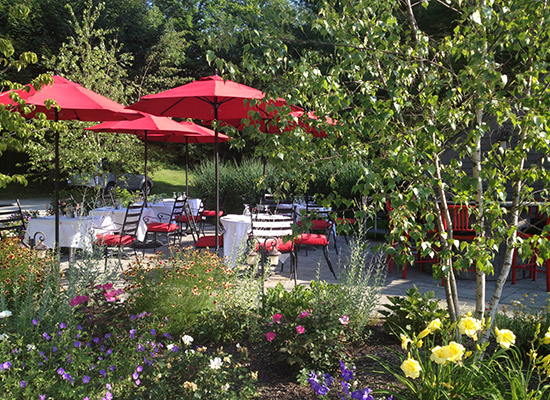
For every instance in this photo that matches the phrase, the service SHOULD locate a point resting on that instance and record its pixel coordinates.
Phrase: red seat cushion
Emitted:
(209, 241)
(183, 218)
(342, 220)
(161, 227)
(312, 239)
(285, 247)
(109, 239)
(211, 213)
(317, 224)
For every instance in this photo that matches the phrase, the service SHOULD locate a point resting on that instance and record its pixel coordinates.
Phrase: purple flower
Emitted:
(79, 327)
(68, 377)
(22, 384)
(362, 394)
(153, 332)
(347, 374)
(107, 336)
(77, 344)
(62, 325)
(102, 372)
(35, 322)
(109, 352)
(140, 347)
(132, 317)
(139, 368)
(96, 340)
(41, 397)
(132, 333)
(86, 379)
(60, 371)
(135, 376)
(54, 349)
(46, 336)
(319, 388)
(137, 381)
(112, 368)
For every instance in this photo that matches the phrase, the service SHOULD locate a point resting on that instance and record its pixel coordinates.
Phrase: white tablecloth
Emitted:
(73, 232)
(234, 238)
(109, 219)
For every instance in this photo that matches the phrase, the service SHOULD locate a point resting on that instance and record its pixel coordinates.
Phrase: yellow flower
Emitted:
(546, 339)
(453, 352)
(404, 341)
(424, 333)
(190, 385)
(419, 343)
(411, 368)
(469, 326)
(434, 325)
(505, 338)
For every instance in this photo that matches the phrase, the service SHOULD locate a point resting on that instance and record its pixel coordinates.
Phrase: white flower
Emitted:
(3, 336)
(225, 387)
(170, 347)
(31, 347)
(216, 363)
(190, 351)
(187, 340)
(5, 313)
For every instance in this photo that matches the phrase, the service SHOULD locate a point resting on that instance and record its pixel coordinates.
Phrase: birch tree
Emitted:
(416, 89)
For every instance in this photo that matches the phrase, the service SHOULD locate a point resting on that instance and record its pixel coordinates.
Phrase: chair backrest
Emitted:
(11, 218)
(132, 219)
(460, 217)
(177, 209)
(286, 209)
(266, 226)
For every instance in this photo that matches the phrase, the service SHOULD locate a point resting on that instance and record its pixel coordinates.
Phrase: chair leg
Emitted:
(514, 266)
(294, 267)
(325, 251)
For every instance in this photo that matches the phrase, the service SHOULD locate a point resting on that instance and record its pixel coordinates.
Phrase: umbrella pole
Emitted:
(216, 161)
(186, 167)
(56, 184)
(146, 184)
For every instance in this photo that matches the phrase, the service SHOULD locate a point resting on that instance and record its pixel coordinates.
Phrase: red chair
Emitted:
(537, 222)
(126, 236)
(171, 226)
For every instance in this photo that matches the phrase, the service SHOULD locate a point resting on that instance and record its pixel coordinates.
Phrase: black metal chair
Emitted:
(12, 221)
(171, 227)
(126, 235)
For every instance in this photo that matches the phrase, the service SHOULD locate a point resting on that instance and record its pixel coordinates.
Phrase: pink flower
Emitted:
(270, 336)
(112, 295)
(300, 329)
(79, 300)
(303, 314)
(107, 286)
(277, 318)
(344, 320)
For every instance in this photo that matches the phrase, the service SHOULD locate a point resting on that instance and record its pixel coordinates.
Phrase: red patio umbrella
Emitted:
(209, 99)
(206, 136)
(152, 128)
(75, 103)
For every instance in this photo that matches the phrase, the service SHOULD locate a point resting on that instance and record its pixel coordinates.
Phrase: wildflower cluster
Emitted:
(22, 271)
(178, 287)
(323, 385)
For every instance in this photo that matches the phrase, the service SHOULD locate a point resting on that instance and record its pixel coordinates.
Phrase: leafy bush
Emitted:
(179, 287)
(410, 313)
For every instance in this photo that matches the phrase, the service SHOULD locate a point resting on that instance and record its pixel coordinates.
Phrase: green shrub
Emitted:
(410, 313)
(236, 181)
(177, 288)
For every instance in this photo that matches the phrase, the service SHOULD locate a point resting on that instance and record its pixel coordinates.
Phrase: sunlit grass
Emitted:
(170, 180)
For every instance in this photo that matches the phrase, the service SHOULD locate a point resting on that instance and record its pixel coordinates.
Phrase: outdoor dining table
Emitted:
(73, 232)
(165, 206)
(236, 229)
(115, 220)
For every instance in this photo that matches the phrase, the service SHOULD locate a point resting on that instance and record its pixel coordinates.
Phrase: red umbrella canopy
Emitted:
(75, 102)
(199, 100)
(203, 135)
(152, 125)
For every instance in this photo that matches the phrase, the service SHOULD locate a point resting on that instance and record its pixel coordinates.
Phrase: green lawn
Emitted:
(167, 181)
